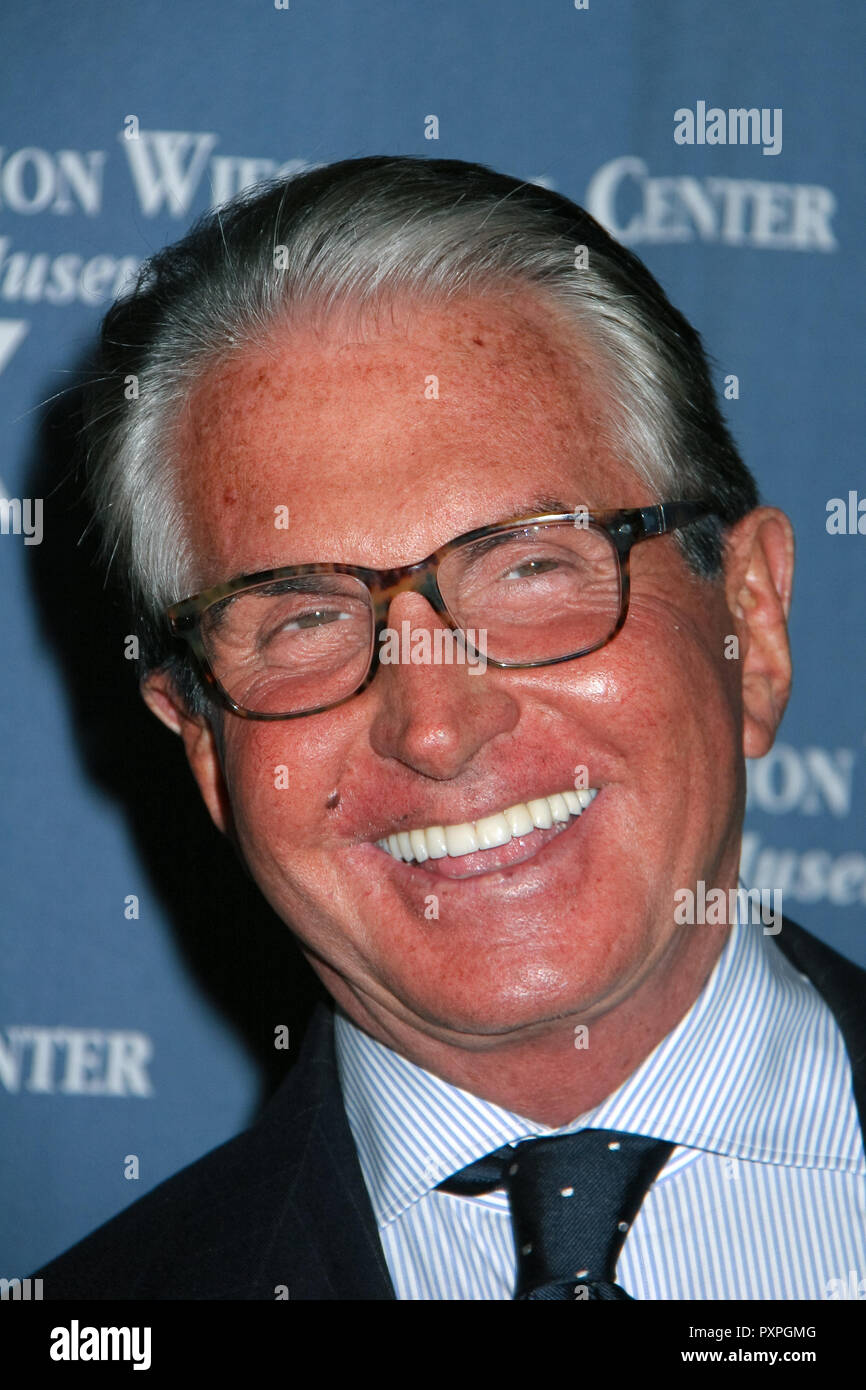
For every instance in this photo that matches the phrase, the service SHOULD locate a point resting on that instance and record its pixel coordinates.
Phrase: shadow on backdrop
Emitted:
(242, 955)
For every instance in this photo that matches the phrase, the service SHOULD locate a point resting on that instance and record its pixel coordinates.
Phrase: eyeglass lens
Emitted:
(532, 594)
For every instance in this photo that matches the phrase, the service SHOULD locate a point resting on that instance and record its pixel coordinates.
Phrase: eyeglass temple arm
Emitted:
(669, 516)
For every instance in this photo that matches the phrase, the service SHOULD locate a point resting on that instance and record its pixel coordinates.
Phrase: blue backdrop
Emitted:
(142, 978)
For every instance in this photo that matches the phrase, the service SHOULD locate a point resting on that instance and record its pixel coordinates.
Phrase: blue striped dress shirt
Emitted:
(764, 1196)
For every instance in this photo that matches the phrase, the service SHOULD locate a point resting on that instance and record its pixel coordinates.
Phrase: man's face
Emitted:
(338, 426)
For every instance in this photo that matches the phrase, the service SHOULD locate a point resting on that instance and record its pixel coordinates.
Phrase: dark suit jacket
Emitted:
(285, 1203)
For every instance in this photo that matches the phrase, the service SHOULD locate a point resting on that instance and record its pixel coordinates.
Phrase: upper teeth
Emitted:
(436, 841)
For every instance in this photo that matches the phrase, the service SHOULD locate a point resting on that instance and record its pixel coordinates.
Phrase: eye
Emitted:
(526, 568)
(317, 617)
(288, 628)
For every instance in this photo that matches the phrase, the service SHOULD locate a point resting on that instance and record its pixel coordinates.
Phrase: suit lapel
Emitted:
(843, 987)
(326, 1243)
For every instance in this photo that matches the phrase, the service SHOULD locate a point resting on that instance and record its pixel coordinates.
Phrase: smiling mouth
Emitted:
(457, 842)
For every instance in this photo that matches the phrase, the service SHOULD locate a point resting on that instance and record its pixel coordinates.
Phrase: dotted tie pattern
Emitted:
(573, 1198)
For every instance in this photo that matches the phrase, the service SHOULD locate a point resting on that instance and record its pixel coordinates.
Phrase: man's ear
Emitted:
(163, 699)
(759, 572)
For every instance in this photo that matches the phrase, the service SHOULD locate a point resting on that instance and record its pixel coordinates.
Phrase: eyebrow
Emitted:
(540, 505)
(300, 584)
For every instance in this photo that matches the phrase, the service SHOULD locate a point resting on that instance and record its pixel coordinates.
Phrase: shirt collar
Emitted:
(757, 1070)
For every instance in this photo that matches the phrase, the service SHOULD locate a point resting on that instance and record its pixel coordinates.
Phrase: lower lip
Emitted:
(492, 861)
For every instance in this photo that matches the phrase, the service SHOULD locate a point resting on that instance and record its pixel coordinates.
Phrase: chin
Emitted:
(520, 1007)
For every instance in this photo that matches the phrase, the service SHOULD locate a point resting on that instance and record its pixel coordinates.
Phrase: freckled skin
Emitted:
(334, 423)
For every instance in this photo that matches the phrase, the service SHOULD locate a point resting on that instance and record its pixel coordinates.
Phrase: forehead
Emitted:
(374, 442)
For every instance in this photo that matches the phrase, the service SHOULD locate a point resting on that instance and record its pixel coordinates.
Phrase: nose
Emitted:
(434, 716)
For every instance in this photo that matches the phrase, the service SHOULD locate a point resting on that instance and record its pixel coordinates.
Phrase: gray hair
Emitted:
(360, 233)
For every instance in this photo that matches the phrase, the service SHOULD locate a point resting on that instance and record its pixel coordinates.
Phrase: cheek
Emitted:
(678, 701)
(273, 782)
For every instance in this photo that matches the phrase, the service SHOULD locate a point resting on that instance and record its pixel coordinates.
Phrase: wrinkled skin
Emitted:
(335, 423)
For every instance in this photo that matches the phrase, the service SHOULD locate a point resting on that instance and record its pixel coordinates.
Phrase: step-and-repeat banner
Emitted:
(142, 976)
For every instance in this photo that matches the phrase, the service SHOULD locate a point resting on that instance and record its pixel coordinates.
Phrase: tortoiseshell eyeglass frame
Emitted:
(624, 528)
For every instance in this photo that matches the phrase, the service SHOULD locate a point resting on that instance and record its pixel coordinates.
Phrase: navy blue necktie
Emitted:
(573, 1198)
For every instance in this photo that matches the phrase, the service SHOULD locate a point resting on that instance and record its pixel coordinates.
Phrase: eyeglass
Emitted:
(301, 639)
